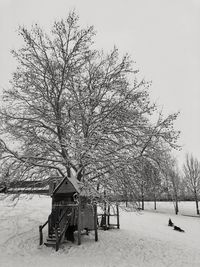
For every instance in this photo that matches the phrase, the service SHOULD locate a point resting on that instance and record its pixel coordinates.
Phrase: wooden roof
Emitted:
(67, 185)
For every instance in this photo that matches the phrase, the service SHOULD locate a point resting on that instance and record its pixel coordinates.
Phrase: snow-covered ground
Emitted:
(143, 240)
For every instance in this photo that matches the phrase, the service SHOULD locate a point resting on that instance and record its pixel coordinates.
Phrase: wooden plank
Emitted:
(57, 239)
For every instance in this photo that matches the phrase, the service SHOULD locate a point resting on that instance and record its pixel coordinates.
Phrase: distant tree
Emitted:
(184, 194)
(155, 185)
(151, 167)
(172, 179)
(191, 170)
(144, 181)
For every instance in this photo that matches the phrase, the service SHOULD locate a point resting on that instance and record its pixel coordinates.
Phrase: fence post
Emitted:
(57, 237)
(49, 225)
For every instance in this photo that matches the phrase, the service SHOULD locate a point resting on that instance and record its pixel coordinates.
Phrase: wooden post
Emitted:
(41, 235)
(57, 237)
(79, 223)
(117, 206)
(49, 225)
(95, 222)
(108, 215)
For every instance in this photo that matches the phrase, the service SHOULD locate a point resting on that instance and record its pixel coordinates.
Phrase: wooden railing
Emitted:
(105, 218)
(59, 226)
(40, 231)
(62, 226)
(60, 236)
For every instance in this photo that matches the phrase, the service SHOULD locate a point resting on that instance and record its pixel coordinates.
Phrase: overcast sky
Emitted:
(162, 36)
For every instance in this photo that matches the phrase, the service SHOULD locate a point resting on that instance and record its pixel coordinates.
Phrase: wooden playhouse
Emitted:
(71, 211)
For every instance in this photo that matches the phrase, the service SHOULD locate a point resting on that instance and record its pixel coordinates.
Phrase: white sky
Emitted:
(162, 36)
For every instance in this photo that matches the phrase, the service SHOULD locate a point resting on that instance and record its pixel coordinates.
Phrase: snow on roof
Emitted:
(72, 180)
(79, 187)
(77, 184)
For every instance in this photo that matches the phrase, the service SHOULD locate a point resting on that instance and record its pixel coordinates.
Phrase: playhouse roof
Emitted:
(72, 185)
(67, 185)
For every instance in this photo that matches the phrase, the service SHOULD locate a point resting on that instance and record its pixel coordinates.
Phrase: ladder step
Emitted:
(51, 239)
(53, 236)
(50, 244)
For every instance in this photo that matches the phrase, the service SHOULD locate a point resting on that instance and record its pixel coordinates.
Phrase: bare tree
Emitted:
(154, 188)
(191, 170)
(73, 109)
(172, 179)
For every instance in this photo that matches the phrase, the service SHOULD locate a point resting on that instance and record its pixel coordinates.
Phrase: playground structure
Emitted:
(109, 219)
(73, 211)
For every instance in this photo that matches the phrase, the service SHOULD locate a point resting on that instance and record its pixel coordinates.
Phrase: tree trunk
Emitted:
(197, 204)
(79, 224)
(154, 202)
(142, 201)
(175, 202)
(175, 197)
(176, 207)
(95, 222)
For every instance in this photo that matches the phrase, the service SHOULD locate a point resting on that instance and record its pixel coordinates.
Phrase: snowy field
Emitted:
(186, 208)
(143, 240)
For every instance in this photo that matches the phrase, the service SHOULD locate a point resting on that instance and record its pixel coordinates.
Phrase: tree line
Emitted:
(169, 183)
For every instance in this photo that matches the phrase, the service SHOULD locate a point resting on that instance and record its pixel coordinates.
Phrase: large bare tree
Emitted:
(73, 109)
